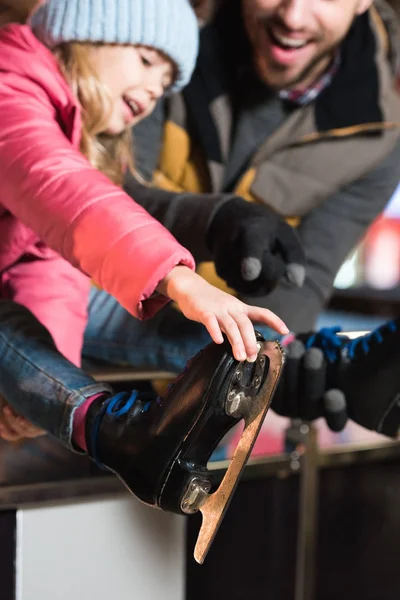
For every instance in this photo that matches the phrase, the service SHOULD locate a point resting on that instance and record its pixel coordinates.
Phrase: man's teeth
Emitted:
(289, 42)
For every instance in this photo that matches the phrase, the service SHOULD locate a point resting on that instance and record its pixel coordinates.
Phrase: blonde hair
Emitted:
(112, 155)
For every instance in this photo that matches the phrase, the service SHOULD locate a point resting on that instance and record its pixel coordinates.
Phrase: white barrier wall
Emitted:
(114, 549)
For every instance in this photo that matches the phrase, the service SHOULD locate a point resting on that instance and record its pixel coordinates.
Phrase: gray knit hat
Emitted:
(167, 25)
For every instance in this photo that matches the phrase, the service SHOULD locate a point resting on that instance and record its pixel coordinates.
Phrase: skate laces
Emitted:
(115, 407)
(331, 344)
(328, 340)
(365, 341)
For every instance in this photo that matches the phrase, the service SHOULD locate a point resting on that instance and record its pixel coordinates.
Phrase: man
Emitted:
(292, 106)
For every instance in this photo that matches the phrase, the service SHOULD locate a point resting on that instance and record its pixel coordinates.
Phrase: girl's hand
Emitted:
(14, 428)
(219, 312)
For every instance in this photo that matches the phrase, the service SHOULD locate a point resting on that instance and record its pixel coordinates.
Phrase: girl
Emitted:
(71, 87)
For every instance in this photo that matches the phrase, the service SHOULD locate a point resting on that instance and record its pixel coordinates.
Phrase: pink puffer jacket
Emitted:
(54, 207)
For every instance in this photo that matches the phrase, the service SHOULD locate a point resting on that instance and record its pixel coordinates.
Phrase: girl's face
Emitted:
(135, 78)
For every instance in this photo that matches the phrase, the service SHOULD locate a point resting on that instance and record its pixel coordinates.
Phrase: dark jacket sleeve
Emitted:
(328, 234)
(186, 216)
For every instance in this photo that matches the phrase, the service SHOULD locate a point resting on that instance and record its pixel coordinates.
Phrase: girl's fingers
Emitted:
(230, 327)
(263, 315)
(248, 335)
(213, 328)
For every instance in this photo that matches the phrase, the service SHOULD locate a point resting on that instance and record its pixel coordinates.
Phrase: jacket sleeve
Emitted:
(187, 216)
(51, 187)
(328, 234)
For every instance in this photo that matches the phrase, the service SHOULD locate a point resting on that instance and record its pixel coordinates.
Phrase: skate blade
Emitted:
(216, 504)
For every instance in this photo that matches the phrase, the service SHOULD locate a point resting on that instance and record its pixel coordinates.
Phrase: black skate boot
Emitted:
(160, 447)
(361, 375)
(367, 369)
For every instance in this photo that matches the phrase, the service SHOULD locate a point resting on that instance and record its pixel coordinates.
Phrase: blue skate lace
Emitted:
(331, 344)
(115, 407)
(365, 340)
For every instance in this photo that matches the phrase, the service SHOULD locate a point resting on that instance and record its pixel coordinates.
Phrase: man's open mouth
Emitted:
(285, 42)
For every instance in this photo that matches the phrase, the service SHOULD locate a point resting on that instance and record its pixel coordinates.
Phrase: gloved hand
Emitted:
(253, 248)
(304, 391)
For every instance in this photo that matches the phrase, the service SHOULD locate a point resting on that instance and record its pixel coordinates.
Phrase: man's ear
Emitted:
(363, 5)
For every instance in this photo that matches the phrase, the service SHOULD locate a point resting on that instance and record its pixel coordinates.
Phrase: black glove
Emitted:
(305, 392)
(253, 248)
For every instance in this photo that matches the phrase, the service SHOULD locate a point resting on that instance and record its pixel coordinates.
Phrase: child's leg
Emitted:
(158, 446)
(311, 380)
(38, 382)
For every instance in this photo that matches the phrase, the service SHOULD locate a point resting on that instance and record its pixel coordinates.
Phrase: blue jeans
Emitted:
(46, 388)
(35, 378)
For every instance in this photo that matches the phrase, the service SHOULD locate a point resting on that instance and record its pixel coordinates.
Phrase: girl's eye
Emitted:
(145, 61)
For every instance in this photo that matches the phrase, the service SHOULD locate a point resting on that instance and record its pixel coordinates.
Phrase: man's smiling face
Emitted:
(293, 40)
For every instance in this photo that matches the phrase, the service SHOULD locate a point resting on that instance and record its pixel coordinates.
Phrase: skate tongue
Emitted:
(214, 507)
